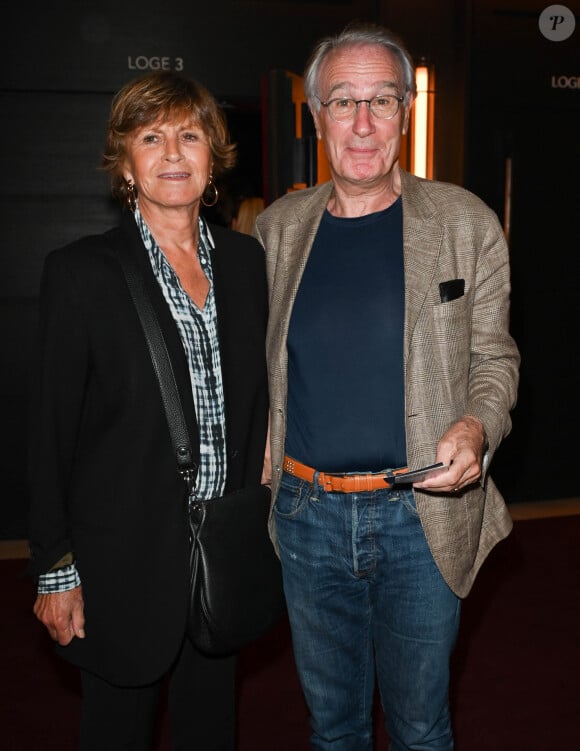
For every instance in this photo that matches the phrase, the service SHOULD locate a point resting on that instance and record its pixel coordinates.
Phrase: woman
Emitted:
(108, 530)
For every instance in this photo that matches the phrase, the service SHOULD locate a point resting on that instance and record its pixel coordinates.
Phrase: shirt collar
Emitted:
(156, 255)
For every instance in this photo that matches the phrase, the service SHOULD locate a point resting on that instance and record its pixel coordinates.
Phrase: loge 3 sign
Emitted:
(142, 62)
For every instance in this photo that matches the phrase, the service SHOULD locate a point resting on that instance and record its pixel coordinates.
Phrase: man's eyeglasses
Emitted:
(383, 106)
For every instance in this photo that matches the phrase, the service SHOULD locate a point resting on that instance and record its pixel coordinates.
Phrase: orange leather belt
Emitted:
(343, 483)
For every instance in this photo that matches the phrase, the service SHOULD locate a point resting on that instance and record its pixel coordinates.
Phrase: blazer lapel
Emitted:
(422, 238)
(127, 240)
(295, 244)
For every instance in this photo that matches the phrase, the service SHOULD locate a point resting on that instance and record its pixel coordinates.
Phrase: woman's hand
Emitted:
(63, 614)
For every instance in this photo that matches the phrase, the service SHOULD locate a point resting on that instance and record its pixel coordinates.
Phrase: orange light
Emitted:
(422, 123)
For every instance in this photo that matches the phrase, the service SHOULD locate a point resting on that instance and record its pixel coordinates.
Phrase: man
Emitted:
(388, 346)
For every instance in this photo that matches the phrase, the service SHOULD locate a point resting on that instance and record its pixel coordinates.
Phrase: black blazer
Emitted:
(103, 476)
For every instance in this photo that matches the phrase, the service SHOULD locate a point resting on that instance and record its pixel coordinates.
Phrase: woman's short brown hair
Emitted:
(168, 96)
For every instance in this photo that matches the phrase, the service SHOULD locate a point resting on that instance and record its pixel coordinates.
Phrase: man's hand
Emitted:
(462, 448)
(63, 614)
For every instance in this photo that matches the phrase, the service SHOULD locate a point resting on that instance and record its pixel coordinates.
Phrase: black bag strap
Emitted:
(163, 370)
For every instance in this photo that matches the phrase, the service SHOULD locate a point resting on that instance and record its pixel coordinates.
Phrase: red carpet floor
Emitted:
(516, 684)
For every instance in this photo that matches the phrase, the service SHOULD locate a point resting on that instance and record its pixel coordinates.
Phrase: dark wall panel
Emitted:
(52, 142)
(227, 44)
(17, 324)
(520, 121)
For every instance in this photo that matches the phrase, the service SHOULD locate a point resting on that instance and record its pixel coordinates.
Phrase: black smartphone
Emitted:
(417, 475)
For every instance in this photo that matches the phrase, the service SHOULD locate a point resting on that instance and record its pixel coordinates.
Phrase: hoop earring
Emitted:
(131, 196)
(215, 195)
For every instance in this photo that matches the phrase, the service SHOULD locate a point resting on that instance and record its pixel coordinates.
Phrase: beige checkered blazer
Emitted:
(458, 356)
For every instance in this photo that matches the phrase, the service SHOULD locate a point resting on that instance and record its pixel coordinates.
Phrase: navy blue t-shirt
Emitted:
(345, 347)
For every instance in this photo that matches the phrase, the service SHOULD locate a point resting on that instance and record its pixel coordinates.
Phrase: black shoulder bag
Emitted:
(236, 592)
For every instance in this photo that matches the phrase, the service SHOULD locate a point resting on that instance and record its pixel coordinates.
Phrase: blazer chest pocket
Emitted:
(451, 289)
(452, 317)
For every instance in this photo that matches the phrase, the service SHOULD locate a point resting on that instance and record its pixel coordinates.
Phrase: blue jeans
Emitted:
(366, 601)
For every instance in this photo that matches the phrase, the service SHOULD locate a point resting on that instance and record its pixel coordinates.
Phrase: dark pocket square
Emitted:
(451, 290)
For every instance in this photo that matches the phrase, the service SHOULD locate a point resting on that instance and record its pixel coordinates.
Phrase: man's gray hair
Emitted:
(357, 33)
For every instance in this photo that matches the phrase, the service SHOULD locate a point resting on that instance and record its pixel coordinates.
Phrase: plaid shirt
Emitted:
(198, 331)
